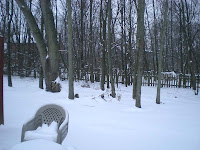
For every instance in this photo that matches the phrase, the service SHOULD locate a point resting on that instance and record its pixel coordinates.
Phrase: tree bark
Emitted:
(103, 71)
(70, 54)
(155, 39)
(41, 78)
(81, 42)
(9, 17)
(50, 60)
(172, 47)
(140, 49)
(91, 50)
(161, 52)
(109, 50)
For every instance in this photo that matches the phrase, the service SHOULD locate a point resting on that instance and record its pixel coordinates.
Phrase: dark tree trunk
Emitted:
(91, 50)
(103, 42)
(122, 39)
(9, 17)
(109, 50)
(41, 78)
(70, 54)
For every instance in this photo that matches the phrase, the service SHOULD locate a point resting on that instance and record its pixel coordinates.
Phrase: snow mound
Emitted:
(172, 73)
(39, 144)
(43, 132)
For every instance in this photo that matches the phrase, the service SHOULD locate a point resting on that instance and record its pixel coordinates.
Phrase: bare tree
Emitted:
(161, 52)
(140, 49)
(91, 43)
(9, 19)
(49, 59)
(70, 55)
(109, 50)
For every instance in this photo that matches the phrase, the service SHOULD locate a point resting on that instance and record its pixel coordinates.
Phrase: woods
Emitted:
(102, 41)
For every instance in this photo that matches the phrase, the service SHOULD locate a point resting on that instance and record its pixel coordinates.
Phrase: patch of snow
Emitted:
(5, 46)
(96, 124)
(57, 80)
(39, 144)
(172, 73)
(43, 132)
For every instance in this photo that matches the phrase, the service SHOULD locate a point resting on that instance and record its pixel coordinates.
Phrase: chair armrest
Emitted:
(27, 127)
(62, 131)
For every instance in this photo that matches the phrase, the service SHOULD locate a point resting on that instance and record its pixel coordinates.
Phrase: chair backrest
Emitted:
(50, 113)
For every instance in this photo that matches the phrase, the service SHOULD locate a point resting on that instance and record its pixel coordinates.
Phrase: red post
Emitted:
(1, 79)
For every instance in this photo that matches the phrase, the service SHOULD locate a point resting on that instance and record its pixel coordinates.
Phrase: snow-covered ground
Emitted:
(110, 124)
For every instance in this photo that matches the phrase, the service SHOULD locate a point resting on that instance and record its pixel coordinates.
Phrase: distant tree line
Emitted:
(106, 35)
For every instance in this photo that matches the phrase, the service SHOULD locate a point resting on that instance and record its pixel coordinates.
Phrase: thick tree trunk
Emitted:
(70, 53)
(140, 49)
(50, 61)
(161, 52)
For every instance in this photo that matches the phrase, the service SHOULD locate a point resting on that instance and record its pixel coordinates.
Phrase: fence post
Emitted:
(180, 80)
(1, 79)
(148, 78)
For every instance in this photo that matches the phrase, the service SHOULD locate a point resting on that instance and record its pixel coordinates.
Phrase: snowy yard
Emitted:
(98, 124)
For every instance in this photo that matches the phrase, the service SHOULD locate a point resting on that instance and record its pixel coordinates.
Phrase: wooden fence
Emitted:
(168, 79)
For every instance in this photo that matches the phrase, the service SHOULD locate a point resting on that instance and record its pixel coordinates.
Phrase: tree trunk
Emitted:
(41, 78)
(70, 53)
(81, 42)
(155, 39)
(180, 34)
(161, 52)
(125, 47)
(103, 71)
(140, 49)
(50, 61)
(135, 74)
(109, 50)
(9, 16)
(91, 50)
(122, 39)
(130, 40)
(172, 47)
